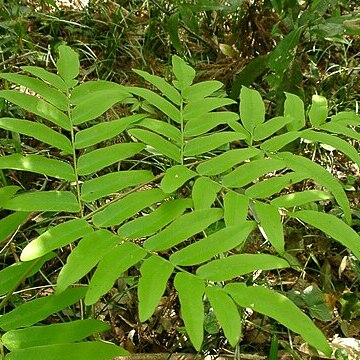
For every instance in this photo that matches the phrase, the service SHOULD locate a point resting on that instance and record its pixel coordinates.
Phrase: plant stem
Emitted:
(182, 131)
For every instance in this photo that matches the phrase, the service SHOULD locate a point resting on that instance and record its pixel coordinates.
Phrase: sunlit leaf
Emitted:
(294, 111)
(7, 192)
(204, 106)
(162, 128)
(175, 177)
(68, 64)
(276, 143)
(318, 110)
(204, 192)
(235, 208)
(270, 127)
(53, 79)
(184, 73)
(300, 198)
(201, 90)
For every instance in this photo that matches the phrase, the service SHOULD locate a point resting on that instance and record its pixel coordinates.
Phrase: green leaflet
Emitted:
(339, 128)
(225, 161)
(191, 290)
(280, 308)
(318, 110)
(210, 142)
(158, 143)
(294, 110)
(155, 272)
(56, 237)
(237, 265)
(126, 207)
(169, 91)
(252, 109)
(52, 334)
(51, 95)
(68, 64)
(221, 241)
(271, 186)
(147, 225)
(113, 182)
(270, 127)
(249, 172)
(204, 192)
(39, 309)
(337, 143)
(276, 143)
(203, 106)
(172, 26)
(201, 90)
(100, 158)
(180, 230)
(226, 312)
(53, 79)
(184, 73)
(163, 128)
(332, 226)
(300, 198)
(10, 223)
(44, 201)
(235, 208)
(38, 107)
(175, 177)
(38, 131)
(270, 224)
(110, 267)
(159, 102)
(7, 192)
(38, 164)
(94, 350)
(202, 124)
(88, 252)
(104, 131)
(346, 118)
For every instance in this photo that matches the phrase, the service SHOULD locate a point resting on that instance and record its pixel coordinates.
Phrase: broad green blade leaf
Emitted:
(51, 95)
(276, 143)
(147, 225)
(68, 64)
(235, 208)
(38, 164)
(226, 312)
(270, 127)
(94, 350)
(270, 224)
(157, 142)
(52, 334)
(238, 265)
(110, 268)
(56, 237)
(126, 207)
(201, 90)
(318, 110)
(169, 91)
(221, 241)
(53, 79)
(96, 104)
(104, 131)
(210, 142)
(294, 111)
(301, 198)
(7, 192)
(332, 226)
(184, 73)
(44, 201)
(155, 272)
(251, 171)
(203, 106)
(337, 143)
(339, 128)
(206, 122)
(98, 159)
(175, 177)
(39, 309)
(38, 131)
(225, 161)
(13, 274)
(10, 223)
(252, 109)
(280, 308)
(316, 172)
(38, 107)
(113, 182)
(88, 252)
(157, 101)
(271, 186)
(204, 192)
(180, 229)
(162, 128)
(191, 291)
(346, 118)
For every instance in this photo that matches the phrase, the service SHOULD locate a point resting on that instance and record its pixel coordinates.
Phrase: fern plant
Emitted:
(186, 224)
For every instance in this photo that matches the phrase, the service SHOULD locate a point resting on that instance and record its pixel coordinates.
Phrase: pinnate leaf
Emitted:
(294, 111)
(235, 208)
(184, 73)
(270, 127)
(68, 64)
(300, 198)
(204, 192)
(53, 79)
(175, 177)
(201, 90)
